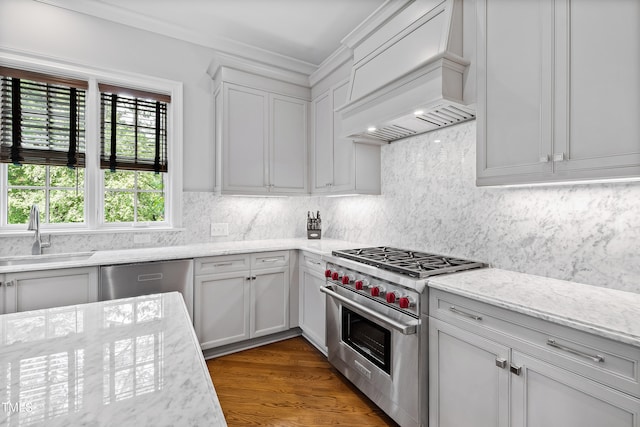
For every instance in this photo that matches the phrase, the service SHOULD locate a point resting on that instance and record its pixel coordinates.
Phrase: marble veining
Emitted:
(609, 313)
(587, 233)
(129, 362)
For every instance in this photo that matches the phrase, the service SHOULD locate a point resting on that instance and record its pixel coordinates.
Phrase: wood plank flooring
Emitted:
(289, 383)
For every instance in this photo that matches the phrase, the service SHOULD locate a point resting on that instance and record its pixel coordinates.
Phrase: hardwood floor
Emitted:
(289, 383)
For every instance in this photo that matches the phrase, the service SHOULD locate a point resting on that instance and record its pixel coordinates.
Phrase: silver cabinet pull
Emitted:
(464, 313)
(315, 262)
(544, 158)
(270, 260)
(515, 369)
(597, 358)
(10, 283)
(501, 363)
(222, 264)
(558, 157)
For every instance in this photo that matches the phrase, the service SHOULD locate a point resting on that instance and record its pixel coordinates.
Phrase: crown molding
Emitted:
(379, 16)
(221, 44)
(339, 57)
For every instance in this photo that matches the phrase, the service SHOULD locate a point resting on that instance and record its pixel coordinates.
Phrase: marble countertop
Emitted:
(605, 312)
(129, 362)
(125, 256)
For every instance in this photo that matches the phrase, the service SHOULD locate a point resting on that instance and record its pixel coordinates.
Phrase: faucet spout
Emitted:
(34, 225)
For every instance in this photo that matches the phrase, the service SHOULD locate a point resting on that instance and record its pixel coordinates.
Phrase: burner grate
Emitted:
(411, 263)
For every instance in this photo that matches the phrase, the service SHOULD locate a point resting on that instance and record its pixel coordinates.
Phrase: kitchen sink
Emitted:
(42, 259)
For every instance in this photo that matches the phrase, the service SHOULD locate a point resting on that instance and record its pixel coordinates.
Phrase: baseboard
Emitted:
(252, 343)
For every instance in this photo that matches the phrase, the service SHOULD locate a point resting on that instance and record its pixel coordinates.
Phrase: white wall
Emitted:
(59, 34)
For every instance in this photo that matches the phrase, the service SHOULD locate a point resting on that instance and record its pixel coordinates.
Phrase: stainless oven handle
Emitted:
(401, 327)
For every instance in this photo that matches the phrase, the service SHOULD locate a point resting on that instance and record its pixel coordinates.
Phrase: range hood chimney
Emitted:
(407, 76)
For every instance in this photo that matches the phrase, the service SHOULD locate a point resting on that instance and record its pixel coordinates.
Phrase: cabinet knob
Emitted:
(501, 363)
(544, 159)
(10, 283)
(558, 157)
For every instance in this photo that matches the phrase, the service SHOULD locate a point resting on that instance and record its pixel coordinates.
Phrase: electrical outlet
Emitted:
(219, 229)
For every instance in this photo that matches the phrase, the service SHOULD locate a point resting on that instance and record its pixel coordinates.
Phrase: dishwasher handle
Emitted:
(149, 277)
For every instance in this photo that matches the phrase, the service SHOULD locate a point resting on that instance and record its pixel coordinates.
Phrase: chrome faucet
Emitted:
(34, 225)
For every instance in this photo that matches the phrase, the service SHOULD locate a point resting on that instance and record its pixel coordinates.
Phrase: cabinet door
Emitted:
(343, 149)
(288, 145)
(322, 143)
(597, 88)
(2, 288)
(312, 308)
(36, 290)
(269, 301)
(221, 312)
(544, 395)
(245, 140)
(466, 385)
(514, 132)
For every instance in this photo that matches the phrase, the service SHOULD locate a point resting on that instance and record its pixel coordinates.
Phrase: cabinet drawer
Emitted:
(269, 259)
(603, 360)
(222, 264)
(312, 262)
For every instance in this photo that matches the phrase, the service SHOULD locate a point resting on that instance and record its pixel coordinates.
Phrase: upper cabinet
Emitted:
(558, 91)
(340, 165)
(261, 131)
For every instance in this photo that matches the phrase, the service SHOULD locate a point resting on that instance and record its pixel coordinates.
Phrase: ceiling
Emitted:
(302, 31)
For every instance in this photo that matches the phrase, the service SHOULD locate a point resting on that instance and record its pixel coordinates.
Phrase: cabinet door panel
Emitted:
(245, 139)
(51, 288)
(269, 301)
(465, 386)
(343, 149)
(514, 84)
(322, 143)
(544, 395)
(313, 316)
(222, 309)
(598, 64)
(288, 144)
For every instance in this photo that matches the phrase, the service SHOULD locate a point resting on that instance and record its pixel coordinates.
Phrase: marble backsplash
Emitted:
(584, 233)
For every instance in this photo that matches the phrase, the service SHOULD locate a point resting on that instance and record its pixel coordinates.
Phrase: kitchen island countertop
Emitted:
(129, 362)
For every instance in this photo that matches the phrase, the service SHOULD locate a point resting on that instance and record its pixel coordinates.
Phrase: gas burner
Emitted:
(411, 263)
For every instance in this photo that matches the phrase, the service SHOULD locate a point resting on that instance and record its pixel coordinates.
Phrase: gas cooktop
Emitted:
(410, 263)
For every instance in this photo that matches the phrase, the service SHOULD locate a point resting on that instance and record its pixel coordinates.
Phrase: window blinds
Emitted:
(133, 129)
(41, 119)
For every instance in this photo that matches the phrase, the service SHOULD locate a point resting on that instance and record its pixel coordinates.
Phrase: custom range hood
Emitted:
(408, 72)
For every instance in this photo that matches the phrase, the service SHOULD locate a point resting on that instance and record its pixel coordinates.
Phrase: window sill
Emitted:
(87, 231)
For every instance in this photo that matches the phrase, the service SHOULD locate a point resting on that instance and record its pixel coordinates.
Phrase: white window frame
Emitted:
(94, 183)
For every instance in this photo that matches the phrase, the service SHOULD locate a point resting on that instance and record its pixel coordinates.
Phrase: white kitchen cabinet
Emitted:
(262, 140)
(340, 165)
(558, 91)
(509, 369)
(2, 288)
(238, 297)
(312, 301)
(34, 290)
(467, 386)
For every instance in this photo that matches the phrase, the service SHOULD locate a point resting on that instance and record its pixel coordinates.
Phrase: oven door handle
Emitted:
(405, 329)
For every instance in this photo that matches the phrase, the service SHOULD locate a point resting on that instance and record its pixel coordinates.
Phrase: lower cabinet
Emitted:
(238, 297)
(312, 301)
(491, 367)
(34, 290)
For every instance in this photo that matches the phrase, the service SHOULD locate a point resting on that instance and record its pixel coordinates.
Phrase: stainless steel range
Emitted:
(377, 332)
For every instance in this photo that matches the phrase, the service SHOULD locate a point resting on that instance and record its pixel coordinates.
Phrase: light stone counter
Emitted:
(125, 256)
(606, 312)
(129, 362)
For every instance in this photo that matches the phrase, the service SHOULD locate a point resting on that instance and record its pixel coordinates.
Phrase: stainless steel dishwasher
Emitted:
(132, 280)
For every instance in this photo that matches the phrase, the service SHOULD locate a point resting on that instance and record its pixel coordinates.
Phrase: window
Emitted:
(92, 149)
(42, 141)
(133, 134)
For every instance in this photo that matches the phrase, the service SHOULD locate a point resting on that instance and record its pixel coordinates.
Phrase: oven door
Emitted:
(377, 349)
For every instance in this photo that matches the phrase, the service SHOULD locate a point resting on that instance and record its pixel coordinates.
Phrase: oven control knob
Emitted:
(392, 297)
(406, 302)
(346, 279)
(361, 284)
(335, 275)
(377, 291)
(327, 273)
